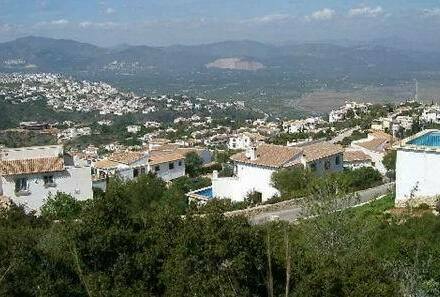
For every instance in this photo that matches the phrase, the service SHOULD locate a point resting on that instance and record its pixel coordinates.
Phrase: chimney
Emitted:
(251, 153)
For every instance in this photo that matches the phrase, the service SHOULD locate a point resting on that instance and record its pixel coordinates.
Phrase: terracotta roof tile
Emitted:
(353, 156)
(127, 158)
(321, 150)
(160, 157)
(270, 155)
(106, 164)
(29, 166)
(375, 144)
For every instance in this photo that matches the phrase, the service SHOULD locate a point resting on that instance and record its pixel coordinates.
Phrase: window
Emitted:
(313, 167)
(49, 181)
(135, 172)
(157, 168)
(338, 160)
(21, 185)
(171, 166)
(327, 165)
(143, 170)
(180, 163)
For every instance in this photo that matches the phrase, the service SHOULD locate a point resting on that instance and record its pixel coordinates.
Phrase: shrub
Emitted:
(253, 198)
(437, 206)
(61, 207)
(362, 178)
(292, 182)
(424, 206)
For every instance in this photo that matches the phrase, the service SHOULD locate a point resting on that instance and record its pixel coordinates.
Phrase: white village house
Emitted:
(376, 145)
(355, 159)
(242, 141)
(130, 164)
(29, 175)
(418, 161)
(253, 169)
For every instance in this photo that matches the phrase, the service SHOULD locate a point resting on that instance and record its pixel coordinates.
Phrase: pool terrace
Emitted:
(202, 195)
(426, 140)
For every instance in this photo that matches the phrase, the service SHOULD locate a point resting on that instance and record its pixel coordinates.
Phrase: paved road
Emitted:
(344, 134)
(293, 214)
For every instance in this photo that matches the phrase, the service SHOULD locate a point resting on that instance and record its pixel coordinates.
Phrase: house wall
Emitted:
(228, 188)
(417, 173)
(248, 179)
(376, 158)
(169, 174)
(206, 156)
(240, 142)
(357, 164)
(74, 181)
(320, 168)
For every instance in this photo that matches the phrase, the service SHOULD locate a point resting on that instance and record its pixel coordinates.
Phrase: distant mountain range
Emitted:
(245, 68)
(45, 54)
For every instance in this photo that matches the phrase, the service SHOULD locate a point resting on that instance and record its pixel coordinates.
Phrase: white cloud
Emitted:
(271, 18)
(366, 11)
(431, 12)
(322, 15)
(99, 25)
(59, 22)
(54, 23)
(110, 10)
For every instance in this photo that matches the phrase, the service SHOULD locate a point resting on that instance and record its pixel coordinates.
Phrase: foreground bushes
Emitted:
(133, 241)
(295, 183)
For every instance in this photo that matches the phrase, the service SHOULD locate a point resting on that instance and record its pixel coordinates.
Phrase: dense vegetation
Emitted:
(133, 241)
(296, 182)
(15, 138)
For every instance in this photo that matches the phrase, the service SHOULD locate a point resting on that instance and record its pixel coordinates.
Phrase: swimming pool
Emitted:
(207, 192)
(204, 194)
(428, 139)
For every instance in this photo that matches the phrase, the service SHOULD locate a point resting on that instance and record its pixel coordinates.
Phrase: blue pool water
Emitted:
(205, 192)
(429, 139)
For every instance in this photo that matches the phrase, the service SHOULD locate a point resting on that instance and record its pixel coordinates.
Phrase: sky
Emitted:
(165, 22)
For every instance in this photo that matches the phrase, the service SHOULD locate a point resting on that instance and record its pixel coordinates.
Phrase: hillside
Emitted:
(285, 73)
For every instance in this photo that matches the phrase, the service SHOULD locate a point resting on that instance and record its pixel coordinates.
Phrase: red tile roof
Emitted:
(127, 158)
(321, 150)
(354, 156)
(270, 155)
(29, 166)
(160, 157)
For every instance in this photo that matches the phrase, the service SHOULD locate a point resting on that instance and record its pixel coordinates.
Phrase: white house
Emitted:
(129, 165)
(29, 175)
(133, 129)
(355, 159)
(242, 141)
(417, 169)
(297, 126)
(431, 114)
(376, 146)
(340, 114)
(254, 168)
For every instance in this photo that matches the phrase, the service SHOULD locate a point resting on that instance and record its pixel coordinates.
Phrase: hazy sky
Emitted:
(163, 22)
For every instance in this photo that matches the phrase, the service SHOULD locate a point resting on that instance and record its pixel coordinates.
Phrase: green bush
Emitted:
(424, 206)
(61, 207)
(361, 179)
